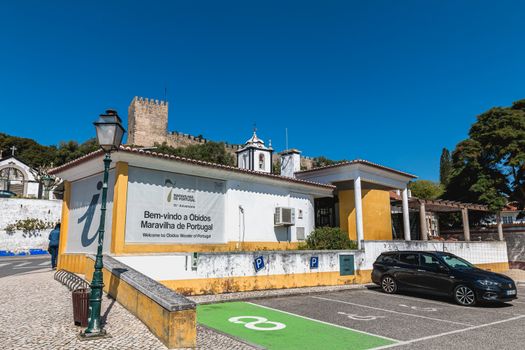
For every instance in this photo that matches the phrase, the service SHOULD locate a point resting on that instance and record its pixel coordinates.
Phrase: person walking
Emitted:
(54, 237)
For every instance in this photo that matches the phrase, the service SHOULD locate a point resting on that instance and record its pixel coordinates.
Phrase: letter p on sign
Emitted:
(314, 262)
(258, 263)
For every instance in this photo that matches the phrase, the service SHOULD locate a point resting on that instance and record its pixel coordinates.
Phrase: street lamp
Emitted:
(109, 137)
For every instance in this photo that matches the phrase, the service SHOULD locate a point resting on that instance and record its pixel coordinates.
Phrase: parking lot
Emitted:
(369, 319)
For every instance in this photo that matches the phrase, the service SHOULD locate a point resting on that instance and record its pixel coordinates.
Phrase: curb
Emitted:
(355, 287)
(30, 252)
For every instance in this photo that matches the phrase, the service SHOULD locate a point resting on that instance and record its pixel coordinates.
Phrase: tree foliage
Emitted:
(426, 189)
(445, 166)
(329, 238)
(489, 166)
(214, 152)
(322, 161)
(40, 156)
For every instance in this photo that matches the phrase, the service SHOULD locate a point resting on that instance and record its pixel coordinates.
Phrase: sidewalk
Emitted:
(36, 313)
(517, 275)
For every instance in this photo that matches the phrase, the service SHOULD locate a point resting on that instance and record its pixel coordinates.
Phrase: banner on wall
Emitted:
(165, 207)
(84, 214)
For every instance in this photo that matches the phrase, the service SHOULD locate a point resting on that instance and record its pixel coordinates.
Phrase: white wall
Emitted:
(18, 242)
(476, 252)
(259, 202)
(238, 264)
(13, 209)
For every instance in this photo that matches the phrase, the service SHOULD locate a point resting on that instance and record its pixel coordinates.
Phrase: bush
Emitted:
(30, 227)
(329, 238)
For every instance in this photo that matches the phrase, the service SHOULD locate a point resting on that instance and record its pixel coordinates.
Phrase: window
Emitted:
(456, 262)
(507, 219)
(429, 261)
(409, 258)
(261, 161)
(387, 259)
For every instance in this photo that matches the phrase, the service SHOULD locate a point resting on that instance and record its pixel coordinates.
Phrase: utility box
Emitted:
(284, 216)
(346, 265)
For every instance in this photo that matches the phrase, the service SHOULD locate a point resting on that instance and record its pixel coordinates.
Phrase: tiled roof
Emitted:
(142, 152)
(358, 161)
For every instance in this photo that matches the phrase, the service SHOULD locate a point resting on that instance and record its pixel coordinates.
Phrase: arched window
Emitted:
(261, 161)
(12, 179)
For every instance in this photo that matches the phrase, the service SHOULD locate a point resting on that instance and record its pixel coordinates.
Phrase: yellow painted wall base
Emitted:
(72, 262)
(248, 283)
(190, 248)
(495, 267)
(175, 329)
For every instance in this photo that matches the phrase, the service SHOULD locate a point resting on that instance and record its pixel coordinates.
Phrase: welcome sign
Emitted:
(165, 207)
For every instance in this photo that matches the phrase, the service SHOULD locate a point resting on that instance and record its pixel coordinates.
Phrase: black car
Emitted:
(440, 273)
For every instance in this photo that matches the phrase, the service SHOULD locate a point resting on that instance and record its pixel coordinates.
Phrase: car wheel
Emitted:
(464, 295)
(388, 285)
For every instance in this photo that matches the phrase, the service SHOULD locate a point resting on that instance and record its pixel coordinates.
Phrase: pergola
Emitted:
(446, 206)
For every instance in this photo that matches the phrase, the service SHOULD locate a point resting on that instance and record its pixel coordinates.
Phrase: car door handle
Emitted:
(418, 270)
(396, 267)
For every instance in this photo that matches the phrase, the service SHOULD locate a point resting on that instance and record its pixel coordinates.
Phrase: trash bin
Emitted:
(80, 306)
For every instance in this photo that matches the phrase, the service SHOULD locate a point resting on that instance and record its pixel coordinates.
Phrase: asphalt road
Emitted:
(414, 321)
(14, 265)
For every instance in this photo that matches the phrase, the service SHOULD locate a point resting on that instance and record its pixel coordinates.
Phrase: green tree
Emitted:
(425, 189)
(489, 166)
(322, 161)
(445, 166)
(214, 152)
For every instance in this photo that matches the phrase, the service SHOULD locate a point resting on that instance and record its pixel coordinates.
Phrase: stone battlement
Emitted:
(146, 101)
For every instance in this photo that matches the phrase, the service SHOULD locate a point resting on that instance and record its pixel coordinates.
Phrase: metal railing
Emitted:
(70, 280)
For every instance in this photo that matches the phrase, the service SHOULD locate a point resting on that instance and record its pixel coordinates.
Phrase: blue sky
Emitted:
(388, 81)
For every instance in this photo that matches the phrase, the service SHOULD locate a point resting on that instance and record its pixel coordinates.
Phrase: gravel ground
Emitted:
(36, 313)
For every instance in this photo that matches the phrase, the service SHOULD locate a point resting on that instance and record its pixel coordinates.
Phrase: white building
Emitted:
(255, 155)
(19, 178)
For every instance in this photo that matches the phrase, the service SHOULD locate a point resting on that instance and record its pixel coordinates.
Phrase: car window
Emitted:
(409, 258)
(429, 261)
(387, 259)
(456, 262)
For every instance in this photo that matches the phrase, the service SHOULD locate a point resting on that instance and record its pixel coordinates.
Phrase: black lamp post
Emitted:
(47, 181)
(109, 136)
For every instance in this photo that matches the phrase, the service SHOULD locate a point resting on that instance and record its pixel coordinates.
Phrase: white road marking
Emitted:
(327, 323)
(449, 333)
(391, 311)
(360, 318)
(22, 264)
(4, 264)
(443, 304)
(417, 308)
(44, 263)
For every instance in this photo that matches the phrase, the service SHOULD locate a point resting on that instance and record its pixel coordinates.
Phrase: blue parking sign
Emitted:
(314, 262)
(258, 263)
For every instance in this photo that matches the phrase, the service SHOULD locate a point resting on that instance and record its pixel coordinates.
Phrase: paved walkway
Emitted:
(36, 313)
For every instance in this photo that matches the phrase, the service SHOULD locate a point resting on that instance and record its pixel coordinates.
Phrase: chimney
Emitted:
(290, 162)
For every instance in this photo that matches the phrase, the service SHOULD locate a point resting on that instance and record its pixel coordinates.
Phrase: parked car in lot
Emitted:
(440, 273)
(6, 194)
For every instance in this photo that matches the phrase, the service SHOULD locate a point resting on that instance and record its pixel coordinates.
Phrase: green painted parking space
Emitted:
(274, 329)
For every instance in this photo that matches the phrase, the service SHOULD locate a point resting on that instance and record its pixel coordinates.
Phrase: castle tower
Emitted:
(254, 155)
(147, 122)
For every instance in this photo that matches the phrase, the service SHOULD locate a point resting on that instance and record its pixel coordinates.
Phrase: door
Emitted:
(433, 276)
(406, 270)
